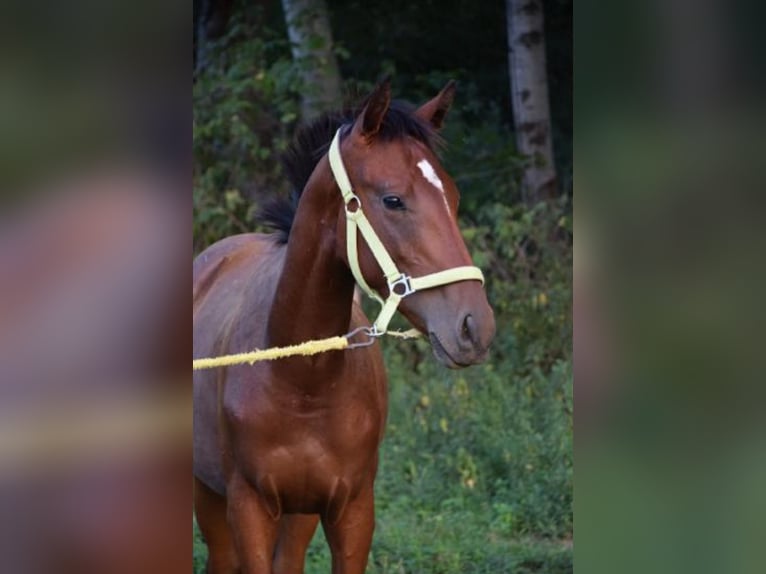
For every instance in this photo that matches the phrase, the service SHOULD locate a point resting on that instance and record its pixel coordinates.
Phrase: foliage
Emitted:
(476, 467)
(245, 109)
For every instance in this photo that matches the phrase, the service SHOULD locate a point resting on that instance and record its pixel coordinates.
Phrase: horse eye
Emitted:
(393, 202)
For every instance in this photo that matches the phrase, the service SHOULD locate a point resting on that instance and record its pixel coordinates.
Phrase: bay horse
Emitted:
(280, 446)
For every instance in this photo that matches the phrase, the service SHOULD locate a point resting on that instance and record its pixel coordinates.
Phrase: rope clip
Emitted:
(371, 332)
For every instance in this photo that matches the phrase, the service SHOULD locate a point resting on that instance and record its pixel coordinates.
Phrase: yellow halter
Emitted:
(400, 285)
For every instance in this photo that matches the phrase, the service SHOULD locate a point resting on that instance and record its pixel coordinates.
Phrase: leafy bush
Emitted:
(245, 110)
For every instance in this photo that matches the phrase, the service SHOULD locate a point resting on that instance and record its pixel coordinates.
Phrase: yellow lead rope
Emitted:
(305, 349)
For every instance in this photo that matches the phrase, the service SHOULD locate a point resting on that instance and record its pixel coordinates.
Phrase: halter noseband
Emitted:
(400, 285)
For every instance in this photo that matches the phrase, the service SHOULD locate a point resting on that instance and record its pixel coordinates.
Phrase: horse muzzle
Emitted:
(465, 341)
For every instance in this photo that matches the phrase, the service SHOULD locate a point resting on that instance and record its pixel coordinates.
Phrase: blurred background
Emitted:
(476, 466)
(669, 281)
(95, 234)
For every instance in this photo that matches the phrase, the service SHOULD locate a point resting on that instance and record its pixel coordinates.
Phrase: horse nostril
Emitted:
(468, 330)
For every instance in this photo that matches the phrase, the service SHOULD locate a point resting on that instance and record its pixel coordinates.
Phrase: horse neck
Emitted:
(314, 293)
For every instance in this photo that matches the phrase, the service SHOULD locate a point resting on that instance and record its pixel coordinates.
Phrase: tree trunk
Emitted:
(308, 27)
(210, 20)
(529, 93)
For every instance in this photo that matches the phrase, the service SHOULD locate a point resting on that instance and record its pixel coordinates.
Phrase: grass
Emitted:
(445, 542)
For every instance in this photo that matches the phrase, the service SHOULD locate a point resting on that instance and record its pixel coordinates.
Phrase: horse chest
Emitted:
(307, 453)
(317, 437)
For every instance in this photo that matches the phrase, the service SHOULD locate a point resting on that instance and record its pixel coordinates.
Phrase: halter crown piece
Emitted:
(400, 285)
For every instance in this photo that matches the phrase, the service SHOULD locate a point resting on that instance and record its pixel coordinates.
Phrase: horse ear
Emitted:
(435, 110)
(368, 123)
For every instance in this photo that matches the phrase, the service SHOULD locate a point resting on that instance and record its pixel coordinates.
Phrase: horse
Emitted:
(280, 446)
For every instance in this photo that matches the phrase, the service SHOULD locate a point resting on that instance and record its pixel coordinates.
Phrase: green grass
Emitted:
(445, 542)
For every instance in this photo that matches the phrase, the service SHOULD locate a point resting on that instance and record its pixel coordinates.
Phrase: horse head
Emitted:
(411, 203)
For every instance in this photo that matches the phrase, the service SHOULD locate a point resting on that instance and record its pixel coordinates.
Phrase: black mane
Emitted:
(311, 143)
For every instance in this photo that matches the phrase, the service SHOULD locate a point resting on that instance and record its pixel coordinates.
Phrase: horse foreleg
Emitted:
(295, 534)
(210, 508)
(350, 537)
(254, 525)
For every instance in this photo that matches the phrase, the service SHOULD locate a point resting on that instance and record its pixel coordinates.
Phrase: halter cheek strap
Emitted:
(400, 285)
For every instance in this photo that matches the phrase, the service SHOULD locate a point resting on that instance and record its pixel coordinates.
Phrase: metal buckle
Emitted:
(353, 197)
(371, 332)
(404, 281)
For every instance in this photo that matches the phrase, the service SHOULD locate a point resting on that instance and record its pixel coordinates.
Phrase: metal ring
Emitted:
(403, 281)
(353, 197)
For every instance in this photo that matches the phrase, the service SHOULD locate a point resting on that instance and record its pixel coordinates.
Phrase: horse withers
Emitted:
(280, 446)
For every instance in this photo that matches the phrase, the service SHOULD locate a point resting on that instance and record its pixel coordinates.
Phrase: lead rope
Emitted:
(305, 349)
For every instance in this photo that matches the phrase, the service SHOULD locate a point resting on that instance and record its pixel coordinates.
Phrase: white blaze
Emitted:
(428, 172)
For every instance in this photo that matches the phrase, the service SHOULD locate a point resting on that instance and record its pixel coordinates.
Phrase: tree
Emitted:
(210, 19)
(529, 95)
(308, 27)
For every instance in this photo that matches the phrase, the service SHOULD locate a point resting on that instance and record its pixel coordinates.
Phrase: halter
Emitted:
(400, 285)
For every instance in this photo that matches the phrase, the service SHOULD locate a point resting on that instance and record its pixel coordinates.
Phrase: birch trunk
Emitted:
(308, 27)
(529, 92)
